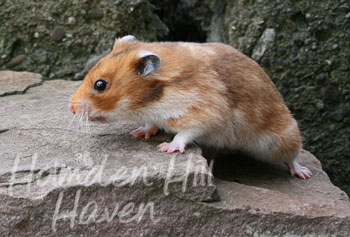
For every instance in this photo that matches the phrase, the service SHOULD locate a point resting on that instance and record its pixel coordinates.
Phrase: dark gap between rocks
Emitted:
(182, 27)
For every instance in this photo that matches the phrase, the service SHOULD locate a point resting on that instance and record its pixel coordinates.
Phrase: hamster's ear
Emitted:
(128, 38)
(147, 62)
(125, 38)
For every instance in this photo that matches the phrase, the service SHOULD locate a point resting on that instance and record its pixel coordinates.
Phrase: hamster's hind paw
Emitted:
(146, 131)
(297, 170)
(172, 147)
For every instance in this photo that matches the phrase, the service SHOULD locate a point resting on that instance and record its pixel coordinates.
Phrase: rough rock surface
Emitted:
(58, 180)
(57, 42)
(17, 82)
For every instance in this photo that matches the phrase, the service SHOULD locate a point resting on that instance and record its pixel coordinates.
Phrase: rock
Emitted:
(321, 77)
(87, 32)
(65, 72)
(17, 82)
(42, 56)
(16, 60)
(72, 21)
(264, 189)
(90, 37)
(308, 16)
(104, 181)
(95, 14)
(331, 96)
(337, 115)
(57, 33)
(346, 110)
(93, 60)
(265, 42)
(79, 76)
(78, 42)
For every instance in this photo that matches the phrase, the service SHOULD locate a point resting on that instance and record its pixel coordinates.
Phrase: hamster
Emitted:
(209, 93)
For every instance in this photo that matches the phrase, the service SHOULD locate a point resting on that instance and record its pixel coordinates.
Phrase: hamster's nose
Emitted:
(71, 108)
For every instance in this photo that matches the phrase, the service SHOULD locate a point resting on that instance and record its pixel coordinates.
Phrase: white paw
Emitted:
(299, 171)
(172, 147)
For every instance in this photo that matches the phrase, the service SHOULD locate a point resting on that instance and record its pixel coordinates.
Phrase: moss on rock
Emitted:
(57, 37)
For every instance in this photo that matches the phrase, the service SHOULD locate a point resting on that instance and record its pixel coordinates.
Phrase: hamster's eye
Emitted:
(100, 85)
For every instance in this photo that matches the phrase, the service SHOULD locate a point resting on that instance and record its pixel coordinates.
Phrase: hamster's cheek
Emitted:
(120, 113)
(113, 116)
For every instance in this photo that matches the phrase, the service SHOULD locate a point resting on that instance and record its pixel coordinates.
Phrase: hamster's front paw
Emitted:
(146, 131)
(172, 147)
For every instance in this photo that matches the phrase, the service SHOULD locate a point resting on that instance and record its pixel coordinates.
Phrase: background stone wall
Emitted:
(57, 37)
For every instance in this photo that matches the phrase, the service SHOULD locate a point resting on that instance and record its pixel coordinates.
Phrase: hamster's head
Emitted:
(119, 84)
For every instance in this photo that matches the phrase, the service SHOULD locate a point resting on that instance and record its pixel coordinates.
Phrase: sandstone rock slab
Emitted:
(57, 179)
(17, 82)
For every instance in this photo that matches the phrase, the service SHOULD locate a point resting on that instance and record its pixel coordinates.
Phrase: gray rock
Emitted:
(79, 76)
(265, 42)
(64, 72)
(346, 110)
(72, 21)
(337, 115)
(78, 42)
(57, 33)
(42, 56)
(95, 14)
(321, 77)
(17, 82)
(16, 60)
(89, 36)
(331, 96)
(58, 180)
(93, 60)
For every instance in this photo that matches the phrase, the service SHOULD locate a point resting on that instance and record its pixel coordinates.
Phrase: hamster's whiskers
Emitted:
(80, 120)
(69, 124)
(87, 126)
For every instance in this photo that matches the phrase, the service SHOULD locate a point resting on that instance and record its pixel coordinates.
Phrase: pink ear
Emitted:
(147, 63)
(125, 38)
(128, 38)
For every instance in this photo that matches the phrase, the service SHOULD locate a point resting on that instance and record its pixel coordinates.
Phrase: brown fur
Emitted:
(223, 79)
